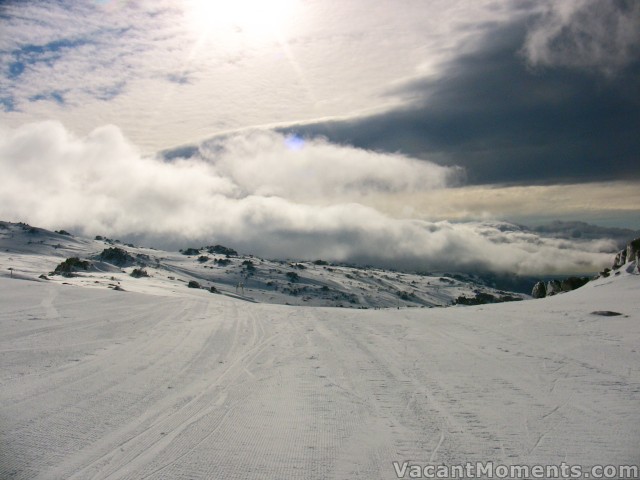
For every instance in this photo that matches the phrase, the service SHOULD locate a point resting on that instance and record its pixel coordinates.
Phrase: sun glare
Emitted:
(254, 18)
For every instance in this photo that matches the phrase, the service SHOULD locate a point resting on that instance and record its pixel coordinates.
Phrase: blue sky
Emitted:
(467, 110)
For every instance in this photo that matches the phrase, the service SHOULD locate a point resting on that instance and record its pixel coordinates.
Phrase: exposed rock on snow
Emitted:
(539, 290)
(553, 287)
(621, 259)
(633, 251)
(606, 313)
(572, 283)
(629, 254)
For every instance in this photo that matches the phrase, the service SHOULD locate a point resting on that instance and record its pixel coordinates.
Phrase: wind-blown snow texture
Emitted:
(179, 383)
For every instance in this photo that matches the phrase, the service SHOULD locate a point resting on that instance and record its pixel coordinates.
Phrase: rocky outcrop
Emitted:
(629, 254)
(621, 259)
(539, 290)
(553, 287)
(633, 251)
(572, 283)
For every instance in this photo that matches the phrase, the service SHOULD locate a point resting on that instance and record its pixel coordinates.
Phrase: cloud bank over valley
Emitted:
(266, 193)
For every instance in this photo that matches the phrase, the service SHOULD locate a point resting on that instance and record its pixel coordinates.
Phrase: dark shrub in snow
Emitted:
(248, 264)
(71, 265)
(139, 272)
(222, 250)
(116, 256)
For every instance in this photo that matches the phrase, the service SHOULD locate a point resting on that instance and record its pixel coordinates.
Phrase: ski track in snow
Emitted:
(97, 384)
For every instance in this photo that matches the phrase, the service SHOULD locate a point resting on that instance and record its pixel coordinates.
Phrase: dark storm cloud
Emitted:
(507, 121)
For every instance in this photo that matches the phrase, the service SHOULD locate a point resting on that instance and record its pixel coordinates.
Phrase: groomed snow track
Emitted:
(99, 384)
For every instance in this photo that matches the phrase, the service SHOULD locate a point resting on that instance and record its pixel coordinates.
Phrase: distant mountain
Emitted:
(585, 231)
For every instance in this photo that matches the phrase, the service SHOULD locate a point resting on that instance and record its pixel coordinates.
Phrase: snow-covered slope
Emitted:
(180, 383)
(32, 252)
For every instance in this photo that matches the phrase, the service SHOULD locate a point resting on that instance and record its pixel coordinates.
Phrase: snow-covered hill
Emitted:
(167, 382)
(32, 252)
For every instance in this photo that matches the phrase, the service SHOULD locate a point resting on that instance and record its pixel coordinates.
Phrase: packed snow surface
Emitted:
(183, 384)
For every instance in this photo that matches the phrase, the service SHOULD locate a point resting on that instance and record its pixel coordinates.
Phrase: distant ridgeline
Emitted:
(631, 253)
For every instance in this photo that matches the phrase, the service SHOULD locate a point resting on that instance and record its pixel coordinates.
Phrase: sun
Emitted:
(256, 19)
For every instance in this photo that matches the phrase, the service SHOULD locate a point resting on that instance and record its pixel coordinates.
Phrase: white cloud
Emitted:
(255, 194)
(268, 164)
(142, 65)
(593, 34)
